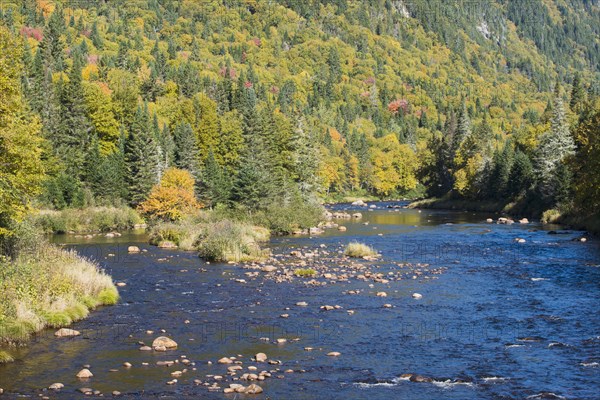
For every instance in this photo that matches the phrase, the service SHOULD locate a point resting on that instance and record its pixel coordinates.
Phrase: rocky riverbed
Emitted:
(452, 307)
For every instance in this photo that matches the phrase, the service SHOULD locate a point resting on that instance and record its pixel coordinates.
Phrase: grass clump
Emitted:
(305, 272)
(232, 241)
(92, 219)
(49, 288)
(5, 357)
(359, 250)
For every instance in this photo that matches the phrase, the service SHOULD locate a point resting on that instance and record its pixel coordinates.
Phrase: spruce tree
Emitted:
(187, 154)
(142, 158)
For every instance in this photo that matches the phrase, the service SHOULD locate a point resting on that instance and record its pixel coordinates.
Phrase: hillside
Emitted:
(265, 101)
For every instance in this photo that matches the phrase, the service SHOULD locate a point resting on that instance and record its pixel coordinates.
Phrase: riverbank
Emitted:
(47, 287)
(590, 224)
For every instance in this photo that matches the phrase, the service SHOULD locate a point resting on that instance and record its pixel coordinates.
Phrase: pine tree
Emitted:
(554, 147)
(142, 158)
(215, 181)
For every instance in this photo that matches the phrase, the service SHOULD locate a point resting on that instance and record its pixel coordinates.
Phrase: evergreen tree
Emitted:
(187, 154)
(142, 158)
(554, 147)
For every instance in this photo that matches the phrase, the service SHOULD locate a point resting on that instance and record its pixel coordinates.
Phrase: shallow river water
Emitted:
(504, 320)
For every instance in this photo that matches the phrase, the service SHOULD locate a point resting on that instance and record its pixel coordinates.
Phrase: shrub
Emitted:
(355, 249)
(551, 216)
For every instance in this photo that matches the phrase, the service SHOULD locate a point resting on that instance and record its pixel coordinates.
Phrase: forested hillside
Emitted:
(281, 101)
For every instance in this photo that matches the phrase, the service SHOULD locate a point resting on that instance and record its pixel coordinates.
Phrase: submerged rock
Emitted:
(65, 332)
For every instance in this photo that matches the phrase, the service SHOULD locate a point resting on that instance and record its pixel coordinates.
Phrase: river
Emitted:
(497, 319)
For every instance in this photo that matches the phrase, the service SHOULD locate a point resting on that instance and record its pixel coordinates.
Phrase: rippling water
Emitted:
(505, 320)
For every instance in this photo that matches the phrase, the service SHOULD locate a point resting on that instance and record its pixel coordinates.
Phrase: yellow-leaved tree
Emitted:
(21, 169)
(172, 198)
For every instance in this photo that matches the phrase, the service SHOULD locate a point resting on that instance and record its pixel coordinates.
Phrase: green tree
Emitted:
(21, 170)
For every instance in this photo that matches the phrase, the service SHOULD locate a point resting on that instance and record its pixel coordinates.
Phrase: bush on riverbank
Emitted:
(94, 219)
(50, 287)
(358, 250)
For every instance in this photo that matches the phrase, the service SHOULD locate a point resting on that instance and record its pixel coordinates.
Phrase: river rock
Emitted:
(357, 215)
(121, 284)
(419, 378)
(261, 357)
(133, 249)
(269, 268)
(56, 386)
(225, 360)
(65, 332)
(164, 341)
(381, 294)
(359, 203)
(583, 240)
(86, 390)
(127, 365)
(145, 348)
(417, 296)
(489, 220)
(342, 228)
(387, 305)
(334, 354)
(523, 221)
(116, 393)
(253, 389)
(302, 304)
(84, 374)
(327, 308)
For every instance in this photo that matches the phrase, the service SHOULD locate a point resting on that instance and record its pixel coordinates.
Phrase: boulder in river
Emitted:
(56, 386)
(165, 342)
(84, 374)
(420, 378)
(253, 389)
(133, 249)
(260, 357)
(65, 332)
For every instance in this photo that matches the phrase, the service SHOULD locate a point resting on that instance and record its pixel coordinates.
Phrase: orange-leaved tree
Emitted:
(172, 198)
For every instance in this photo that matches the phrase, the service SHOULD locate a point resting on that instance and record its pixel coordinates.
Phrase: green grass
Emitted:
(93, 219)
(358, 250)
(50, 288)
(5, 357)
(305, 272)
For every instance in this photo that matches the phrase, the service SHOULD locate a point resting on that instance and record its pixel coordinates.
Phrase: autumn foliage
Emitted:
(172, 198)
